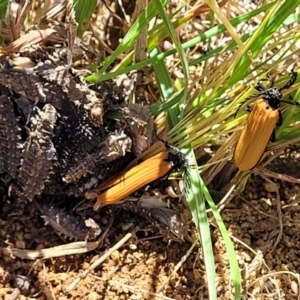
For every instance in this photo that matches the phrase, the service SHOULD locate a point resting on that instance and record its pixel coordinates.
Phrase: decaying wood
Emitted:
(38, 153)
(57, 137)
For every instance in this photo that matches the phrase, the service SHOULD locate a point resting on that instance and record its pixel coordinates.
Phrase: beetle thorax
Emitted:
(273, 96)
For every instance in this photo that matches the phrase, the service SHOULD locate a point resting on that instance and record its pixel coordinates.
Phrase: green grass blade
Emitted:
(129, 39)
(196, 200)
(234, 266)
(173, 112)
(83, 11)
(189, 44)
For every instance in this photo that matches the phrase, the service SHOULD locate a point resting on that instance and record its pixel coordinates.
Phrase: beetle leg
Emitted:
(279, 122)
(273, 136)
(260, 87)
(294, 76)
(238, 109)
(248, 108)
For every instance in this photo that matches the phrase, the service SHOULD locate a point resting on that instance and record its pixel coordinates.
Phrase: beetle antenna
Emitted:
(294, 76)
(179, 161)
(291, 102)
(167, 144)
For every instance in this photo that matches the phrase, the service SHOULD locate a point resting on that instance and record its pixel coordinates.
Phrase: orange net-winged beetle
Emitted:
(155, 167)
(260, 124)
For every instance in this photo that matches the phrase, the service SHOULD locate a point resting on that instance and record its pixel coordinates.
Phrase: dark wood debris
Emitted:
(53, 138)
(60, 137)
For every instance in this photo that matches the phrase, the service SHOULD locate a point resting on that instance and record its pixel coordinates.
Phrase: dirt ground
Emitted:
(147, 267)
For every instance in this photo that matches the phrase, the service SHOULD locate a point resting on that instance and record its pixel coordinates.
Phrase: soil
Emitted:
(148, 267)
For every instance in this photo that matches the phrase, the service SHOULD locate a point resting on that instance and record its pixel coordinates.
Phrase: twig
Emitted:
(264, 172)
(16, 25)
(178, 266)
(140, 52)
(99, 261)
(68, 249)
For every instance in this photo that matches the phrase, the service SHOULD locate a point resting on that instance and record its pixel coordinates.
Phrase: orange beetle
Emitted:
(142, 174)
(260, 125)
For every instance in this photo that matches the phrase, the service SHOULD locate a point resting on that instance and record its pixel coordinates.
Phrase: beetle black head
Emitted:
(273, 94)
(177, 160)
